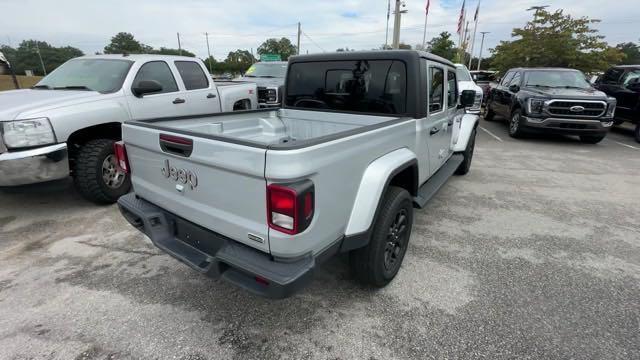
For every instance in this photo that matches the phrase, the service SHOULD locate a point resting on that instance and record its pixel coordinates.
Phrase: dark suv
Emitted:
(551, 100)
(623, 83)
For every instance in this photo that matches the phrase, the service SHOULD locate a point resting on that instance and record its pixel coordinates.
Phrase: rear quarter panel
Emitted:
(336, 169)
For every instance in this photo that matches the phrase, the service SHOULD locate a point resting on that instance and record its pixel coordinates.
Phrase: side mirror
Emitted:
(467, 99)
(145, 87)
(514, 88)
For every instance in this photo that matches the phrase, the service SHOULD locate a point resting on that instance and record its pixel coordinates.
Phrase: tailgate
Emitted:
(218, 185)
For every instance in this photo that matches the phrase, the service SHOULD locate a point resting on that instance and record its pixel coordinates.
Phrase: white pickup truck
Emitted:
(260, 198)
(67, 123)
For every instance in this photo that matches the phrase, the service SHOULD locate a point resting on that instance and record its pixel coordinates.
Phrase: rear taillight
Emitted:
(121, 156)
(290, 207)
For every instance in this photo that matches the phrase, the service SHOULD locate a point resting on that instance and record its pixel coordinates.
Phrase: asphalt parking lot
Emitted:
(534, 254)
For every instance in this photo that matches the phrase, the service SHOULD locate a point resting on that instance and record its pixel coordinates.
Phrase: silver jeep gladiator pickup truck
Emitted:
(260, 198)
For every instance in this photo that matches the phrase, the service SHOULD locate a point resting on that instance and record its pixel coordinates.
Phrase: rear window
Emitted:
(192, 75)
(365, 86)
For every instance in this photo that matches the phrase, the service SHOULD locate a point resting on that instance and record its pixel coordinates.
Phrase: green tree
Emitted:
(631, 52)
(283, 47)
(169, 51)
(557, 40)
(124, 42)
(25, 57)
(443, 46)
(239, 61)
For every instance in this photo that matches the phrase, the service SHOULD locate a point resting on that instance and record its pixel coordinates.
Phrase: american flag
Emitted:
(461, 18)
(475, 17)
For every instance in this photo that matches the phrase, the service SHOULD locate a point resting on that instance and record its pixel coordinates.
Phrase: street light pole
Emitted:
(299, 33)
(481, 46)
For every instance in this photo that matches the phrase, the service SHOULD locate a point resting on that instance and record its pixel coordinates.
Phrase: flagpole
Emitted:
(475, 27)
(424, 35)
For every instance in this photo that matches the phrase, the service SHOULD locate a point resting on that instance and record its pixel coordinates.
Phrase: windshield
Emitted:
(462, 73)
(269, 70)
(480, 76)
(103, 75)
(557, 79)
(376, 86)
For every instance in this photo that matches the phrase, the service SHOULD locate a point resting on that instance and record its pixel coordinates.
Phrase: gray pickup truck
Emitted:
(260, 198)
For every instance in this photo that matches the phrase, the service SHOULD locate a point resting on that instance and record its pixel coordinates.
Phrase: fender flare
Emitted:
(374, 182)
(468, 124)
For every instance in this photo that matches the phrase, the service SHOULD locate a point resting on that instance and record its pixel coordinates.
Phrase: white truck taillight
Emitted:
(121, 156)
(290, 207)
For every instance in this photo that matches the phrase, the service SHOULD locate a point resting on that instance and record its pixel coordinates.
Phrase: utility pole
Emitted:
(386, 37)
(179, 46)
(424, 34)
(396, 23)
(481, 46)
(208, 52)
(299, 33)
(40, 57)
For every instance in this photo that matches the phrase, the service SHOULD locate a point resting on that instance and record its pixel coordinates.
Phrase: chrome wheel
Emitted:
(396, 240)
(111, 174)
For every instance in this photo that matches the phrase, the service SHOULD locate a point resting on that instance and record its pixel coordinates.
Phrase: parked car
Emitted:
(486, 80)
(623, 83)
(465, 82)
(261, 198)
(269, 75)
(68, 122)
(552, 100)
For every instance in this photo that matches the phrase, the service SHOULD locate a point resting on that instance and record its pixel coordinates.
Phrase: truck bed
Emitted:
(284, 128)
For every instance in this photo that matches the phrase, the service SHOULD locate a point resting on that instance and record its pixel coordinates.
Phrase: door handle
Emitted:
(434, 131)
(179, 101)
(211, 96)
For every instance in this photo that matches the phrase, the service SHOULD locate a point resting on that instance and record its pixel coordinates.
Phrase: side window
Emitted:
(192, 75)
(160, 72)
(515, 80)
(436, 89)
(631, 77)
(452, 88)
(507, 78)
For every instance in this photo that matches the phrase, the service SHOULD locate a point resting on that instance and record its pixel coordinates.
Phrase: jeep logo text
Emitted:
(180, 175)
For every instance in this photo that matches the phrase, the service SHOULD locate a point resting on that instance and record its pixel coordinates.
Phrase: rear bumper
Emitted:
(217, 256)
(568, 126)
(34, 165)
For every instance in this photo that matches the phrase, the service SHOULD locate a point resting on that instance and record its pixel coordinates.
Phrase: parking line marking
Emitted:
(627, 145)
(490, 133)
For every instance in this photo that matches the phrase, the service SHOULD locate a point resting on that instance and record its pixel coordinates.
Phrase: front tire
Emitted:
(591, 139)
(96, 175)
(464, 167)
(378, 263)
(515, 124)
(489, 114)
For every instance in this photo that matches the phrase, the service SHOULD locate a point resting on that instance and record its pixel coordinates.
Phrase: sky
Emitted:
(244, 24)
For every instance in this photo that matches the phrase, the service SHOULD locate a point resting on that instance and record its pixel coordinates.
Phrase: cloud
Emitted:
(233, 24)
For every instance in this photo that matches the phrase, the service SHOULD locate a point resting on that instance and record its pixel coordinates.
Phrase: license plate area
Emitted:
(197, 236)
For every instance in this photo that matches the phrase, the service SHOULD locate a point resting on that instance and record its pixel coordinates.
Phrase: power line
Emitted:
(314, 43)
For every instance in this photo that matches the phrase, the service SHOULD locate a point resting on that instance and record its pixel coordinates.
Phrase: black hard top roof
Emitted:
(405, 55)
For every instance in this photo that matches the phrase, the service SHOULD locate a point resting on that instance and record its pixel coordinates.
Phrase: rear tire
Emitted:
(95, 175)
(515, 124)
(378, 263)
(592, 139)
(464, 167)
(489, 114)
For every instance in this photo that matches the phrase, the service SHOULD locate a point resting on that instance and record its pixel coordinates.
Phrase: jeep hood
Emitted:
(563, 93)
(26, 102)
